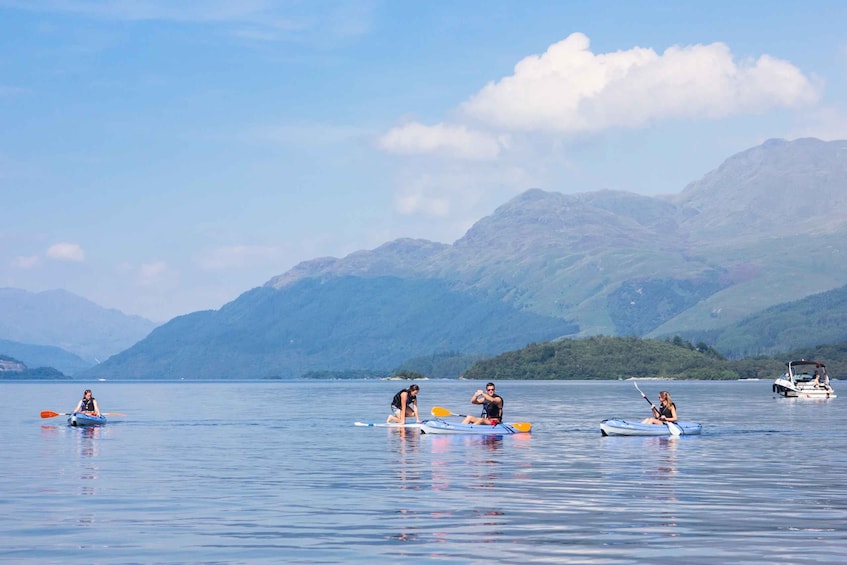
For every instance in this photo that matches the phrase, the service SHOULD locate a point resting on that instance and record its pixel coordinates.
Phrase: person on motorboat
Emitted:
(492, 407)
(820, 380)
(665, 413)
(404, 405)
(87, 405)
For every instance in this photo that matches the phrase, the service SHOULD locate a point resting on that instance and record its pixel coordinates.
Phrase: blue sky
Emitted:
(163, 157)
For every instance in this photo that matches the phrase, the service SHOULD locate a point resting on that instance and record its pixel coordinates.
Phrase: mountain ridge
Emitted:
(602, 263)
(65, 320)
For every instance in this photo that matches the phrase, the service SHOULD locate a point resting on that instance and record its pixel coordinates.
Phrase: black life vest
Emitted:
(398, 402)
(493, 410)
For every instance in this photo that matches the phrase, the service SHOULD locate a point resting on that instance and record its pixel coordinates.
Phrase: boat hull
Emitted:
(81, 420)
(786, 389)
(444, 427)
(616, 427)
(408, 426)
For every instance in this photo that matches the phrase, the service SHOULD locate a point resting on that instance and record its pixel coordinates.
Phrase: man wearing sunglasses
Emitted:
(492, 407)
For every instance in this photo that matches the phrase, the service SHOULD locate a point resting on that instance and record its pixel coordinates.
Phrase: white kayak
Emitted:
(443, 427)
(616, 427)
(408, 425)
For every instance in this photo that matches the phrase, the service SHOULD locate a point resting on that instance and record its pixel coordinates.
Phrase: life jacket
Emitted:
(398, 402)
(666, 410)
(87, 405)
(492, 410)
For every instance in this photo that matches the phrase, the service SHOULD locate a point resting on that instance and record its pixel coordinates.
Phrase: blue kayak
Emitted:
(616, 427)
(80, 419)
(443, 427)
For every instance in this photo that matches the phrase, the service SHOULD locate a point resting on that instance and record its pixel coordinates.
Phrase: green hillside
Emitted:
(341, 324)
(805, 323)
(611, 358)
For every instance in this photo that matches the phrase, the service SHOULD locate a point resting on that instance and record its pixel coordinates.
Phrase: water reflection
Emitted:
(405, 444)
(88, 445)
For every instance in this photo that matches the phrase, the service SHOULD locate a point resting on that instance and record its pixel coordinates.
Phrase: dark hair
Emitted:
(490, 384)
(414, 387)
(86, 391)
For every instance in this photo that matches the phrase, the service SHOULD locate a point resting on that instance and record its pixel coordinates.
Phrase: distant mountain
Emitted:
(339, 324)
(44, 356)
(765, 228)
(775, 190)
(62, 319)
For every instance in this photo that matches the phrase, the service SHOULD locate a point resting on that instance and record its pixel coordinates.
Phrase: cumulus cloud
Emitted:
(570, 89)
(450, 140)
(66, 252)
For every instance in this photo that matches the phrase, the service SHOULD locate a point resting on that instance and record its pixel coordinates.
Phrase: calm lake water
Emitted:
(275, 472)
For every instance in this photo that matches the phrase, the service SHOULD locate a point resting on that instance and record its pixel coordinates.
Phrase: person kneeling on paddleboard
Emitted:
(492, 407)
(403, 405)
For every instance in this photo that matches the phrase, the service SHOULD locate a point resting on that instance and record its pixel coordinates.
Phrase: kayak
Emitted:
(80, 419)
(616, 427)
(442, 427)
(408, 426)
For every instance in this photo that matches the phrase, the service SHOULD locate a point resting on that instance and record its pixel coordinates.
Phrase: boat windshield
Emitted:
(805, 371)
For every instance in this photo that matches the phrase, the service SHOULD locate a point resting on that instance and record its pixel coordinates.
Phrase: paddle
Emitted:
(672, 428)
(51, 414)
(440, 412)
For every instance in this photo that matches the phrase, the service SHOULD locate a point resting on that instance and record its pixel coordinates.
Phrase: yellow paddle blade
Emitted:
(521, 426)
(440, 412)
(114, 414)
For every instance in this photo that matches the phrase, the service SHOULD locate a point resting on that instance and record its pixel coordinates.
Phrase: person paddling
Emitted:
(665, 413)
(403, 405)
(88, 404)
(492, 407)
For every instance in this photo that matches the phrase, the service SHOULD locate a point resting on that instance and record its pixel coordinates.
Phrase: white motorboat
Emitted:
(804, 379)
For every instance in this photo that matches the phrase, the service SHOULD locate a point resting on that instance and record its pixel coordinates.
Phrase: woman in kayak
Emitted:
(88, 405)
(492, 407)
(665, 413)
(403, 405)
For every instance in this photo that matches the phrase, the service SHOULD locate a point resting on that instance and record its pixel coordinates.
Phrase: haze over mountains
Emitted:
(764, 229)
(59, 329)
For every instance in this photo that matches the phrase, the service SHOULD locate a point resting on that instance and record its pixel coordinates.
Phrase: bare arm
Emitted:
(403, 398)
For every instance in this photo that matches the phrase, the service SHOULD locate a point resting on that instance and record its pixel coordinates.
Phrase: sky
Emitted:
(163, 157)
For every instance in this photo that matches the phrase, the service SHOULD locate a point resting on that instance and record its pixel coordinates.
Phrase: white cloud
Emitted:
(450, 140)
(66, 252)
(26, 262)
(459, 191)
(827, 123)
(570, 89)
(237, 256)
(256, 20)
(151, 273)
